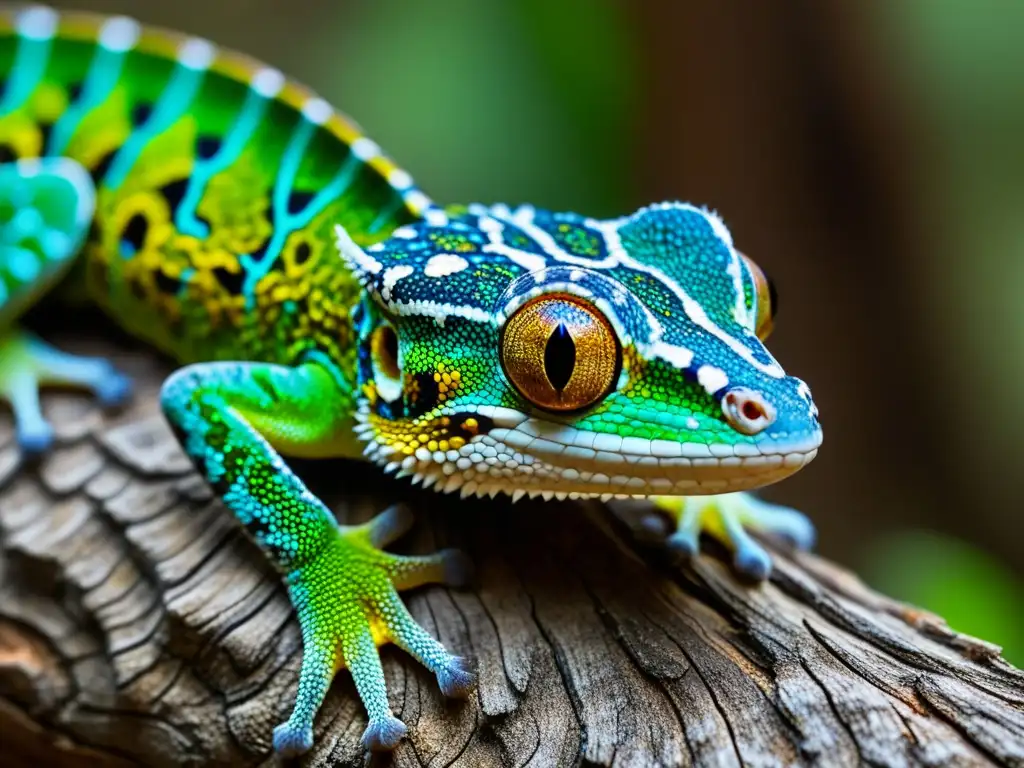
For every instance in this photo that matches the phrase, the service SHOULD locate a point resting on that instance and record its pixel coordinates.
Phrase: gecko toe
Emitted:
(455, 679)
(291, 740)
(457, 567)
(383, 734)
(113, 389)
(37, 441)
(751, 560)
(683, 545)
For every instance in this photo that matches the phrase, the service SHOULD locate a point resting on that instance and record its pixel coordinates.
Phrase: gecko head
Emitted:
(525, 351)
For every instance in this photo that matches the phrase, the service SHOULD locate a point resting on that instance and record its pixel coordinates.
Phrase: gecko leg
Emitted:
(726, 517)
(45, 209)
(344, 587)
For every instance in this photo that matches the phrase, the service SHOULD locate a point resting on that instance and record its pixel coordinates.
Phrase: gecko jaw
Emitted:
(505, 460)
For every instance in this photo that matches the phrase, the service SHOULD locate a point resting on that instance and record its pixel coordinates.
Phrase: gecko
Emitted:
(320, 305)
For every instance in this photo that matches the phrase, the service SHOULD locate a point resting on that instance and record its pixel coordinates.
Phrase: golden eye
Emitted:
(766, 300)
(560, 353)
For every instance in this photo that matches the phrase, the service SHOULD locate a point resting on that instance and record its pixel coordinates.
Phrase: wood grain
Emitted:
(139, 625)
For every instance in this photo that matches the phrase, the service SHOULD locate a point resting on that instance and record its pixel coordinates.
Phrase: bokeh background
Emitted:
(868, 155)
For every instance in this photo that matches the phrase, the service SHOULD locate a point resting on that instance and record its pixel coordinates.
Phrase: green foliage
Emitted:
(488, 102)
(974, 592)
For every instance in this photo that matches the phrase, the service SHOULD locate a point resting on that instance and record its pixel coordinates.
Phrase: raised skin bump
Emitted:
(237, 217)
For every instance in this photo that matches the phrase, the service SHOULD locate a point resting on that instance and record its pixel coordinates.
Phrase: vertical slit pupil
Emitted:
(559, 357)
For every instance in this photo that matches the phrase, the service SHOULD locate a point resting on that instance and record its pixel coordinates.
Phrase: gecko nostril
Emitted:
(747, 411)
(752, 410)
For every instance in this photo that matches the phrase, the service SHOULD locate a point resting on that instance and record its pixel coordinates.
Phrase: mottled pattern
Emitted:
(218, 183)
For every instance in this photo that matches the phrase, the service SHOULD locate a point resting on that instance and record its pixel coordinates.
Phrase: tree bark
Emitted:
(139, 625)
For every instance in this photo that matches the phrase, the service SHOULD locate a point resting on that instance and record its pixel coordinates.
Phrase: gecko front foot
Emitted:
(347, 602)
(726, 517)
(27, 363)
(45, 209)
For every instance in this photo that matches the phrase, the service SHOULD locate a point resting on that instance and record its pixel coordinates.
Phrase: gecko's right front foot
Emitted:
(347, 603)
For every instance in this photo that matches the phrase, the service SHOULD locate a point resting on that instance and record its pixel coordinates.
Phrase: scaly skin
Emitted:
(323, 306)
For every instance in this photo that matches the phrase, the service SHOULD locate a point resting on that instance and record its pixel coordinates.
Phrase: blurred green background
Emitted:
(867, 154)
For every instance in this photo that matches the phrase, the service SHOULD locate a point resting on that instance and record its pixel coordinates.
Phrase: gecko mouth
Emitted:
(520, 455)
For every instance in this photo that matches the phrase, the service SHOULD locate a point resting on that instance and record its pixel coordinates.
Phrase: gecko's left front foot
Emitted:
(45, 209)
(348, 604)
(27, 363)
(726, 517)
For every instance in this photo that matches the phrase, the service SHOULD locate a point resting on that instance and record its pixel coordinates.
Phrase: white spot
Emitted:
(530, 262)
(399, 179)
(196, 53)
(416, 200)
(444, 264)
(712, 378)
(436, 217)
(678, 357)
(576, 275)
(365, 149)
(692, 423)
(406, 233)
(37, 23)
(391, 276)
(317, 111)
(119, 34)
(268, 82)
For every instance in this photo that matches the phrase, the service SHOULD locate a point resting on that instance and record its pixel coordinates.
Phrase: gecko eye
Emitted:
(560, 353)
(387, 375)
(766, 300)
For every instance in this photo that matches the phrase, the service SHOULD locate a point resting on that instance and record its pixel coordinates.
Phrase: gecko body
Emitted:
(321, 305)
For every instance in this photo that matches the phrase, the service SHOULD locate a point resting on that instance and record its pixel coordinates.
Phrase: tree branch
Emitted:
(138, 624)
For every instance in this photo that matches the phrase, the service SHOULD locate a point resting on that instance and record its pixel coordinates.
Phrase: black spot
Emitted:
(207, 146)
(302, 253)
(166, 283)
(423, 395)
(297, 201)
(259, 252)
(45, 129)
(7, 154)
(174, 192)
(773, 296)
(141, 113)
(74, 92)
(481, 425)
(103, 165)
(559, 357)
(391, 345)
(231, 281)
(134, 233)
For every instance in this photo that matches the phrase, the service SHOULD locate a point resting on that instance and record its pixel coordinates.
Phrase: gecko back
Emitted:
(218, 183)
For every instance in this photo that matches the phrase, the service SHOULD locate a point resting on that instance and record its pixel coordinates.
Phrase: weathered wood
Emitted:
(138, 625)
